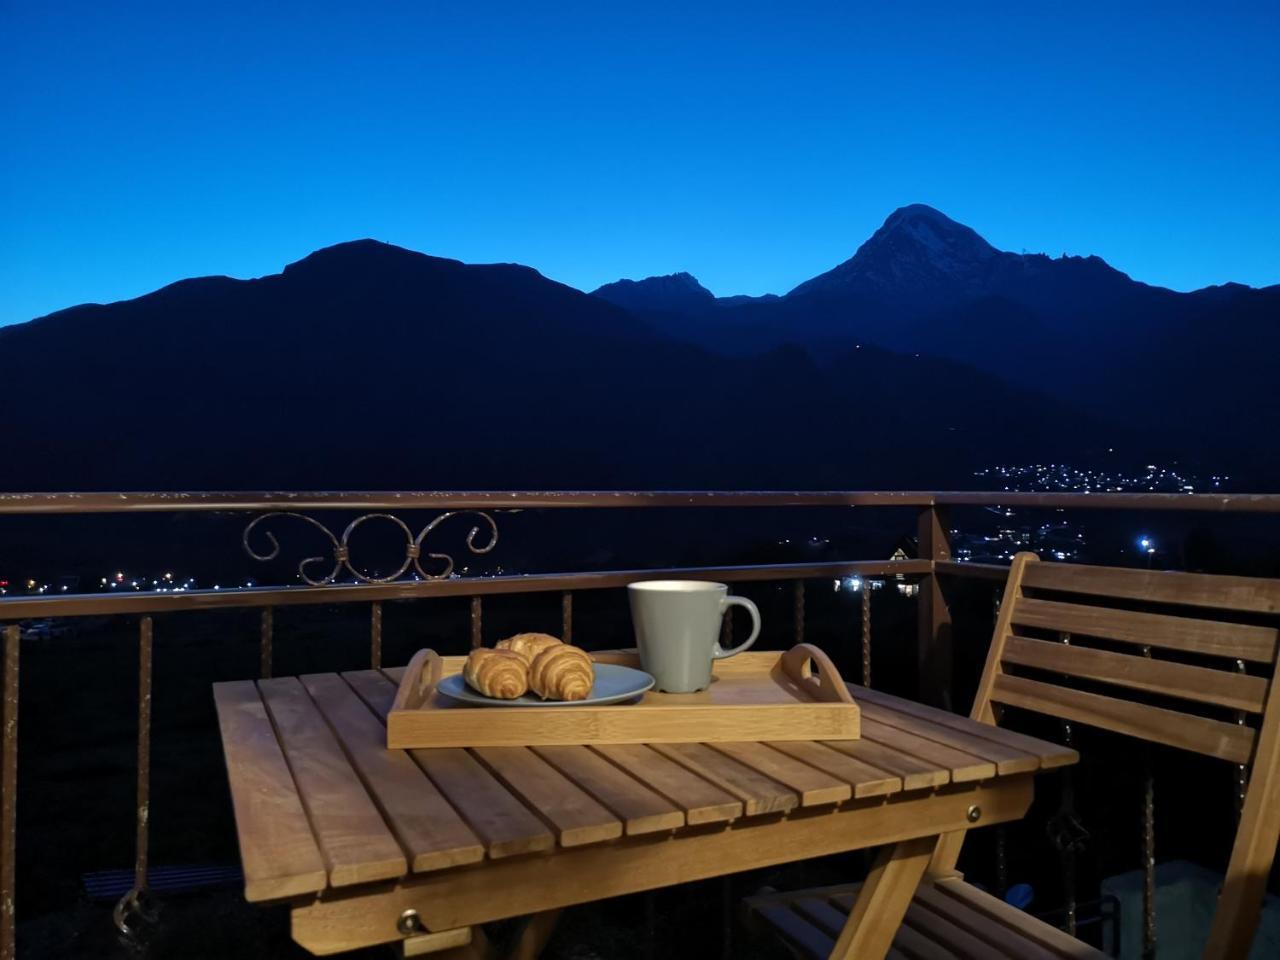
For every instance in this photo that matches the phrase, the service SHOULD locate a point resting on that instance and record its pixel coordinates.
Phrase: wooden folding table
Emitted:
(371, 845)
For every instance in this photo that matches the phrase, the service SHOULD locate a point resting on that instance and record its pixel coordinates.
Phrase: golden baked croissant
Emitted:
(562, 672)
(496, 673)
(528, 645)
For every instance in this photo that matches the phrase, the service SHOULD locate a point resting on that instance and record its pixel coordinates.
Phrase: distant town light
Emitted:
(1147, 544)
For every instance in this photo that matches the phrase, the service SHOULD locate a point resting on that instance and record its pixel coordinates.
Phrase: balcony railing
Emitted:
(425, 572)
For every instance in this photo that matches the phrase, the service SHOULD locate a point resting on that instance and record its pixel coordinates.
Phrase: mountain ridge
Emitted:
(1183, 365)
(372, 367)
(912, 216)
(358, 341)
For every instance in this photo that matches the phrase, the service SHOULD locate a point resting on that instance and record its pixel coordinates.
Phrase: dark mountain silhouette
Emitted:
(369, 366)
(1190, 371)
(673, 293)
(670, 300)
(918, 257)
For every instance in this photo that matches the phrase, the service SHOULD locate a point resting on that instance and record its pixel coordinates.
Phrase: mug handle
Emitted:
(718, 652)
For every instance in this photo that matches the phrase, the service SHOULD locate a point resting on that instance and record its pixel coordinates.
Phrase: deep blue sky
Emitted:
(752, 144)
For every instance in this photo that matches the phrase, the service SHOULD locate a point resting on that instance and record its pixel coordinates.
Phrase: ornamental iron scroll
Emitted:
(342, 552)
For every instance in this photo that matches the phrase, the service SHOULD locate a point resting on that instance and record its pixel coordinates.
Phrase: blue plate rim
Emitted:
(465, 695)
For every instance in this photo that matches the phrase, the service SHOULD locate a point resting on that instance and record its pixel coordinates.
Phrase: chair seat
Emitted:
(948, 920)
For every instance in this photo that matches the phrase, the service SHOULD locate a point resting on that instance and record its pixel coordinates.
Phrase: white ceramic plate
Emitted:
(614, 684)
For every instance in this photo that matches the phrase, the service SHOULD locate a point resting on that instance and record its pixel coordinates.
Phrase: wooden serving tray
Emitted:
(753, 696)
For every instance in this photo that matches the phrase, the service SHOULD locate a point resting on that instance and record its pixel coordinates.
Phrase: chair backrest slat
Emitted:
(1187, 634)
(1215, 738)
(1245, 594)
(1237, 691)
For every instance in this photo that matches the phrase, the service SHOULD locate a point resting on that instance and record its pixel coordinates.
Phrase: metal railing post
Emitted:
(866, 633)
(375, 635)
(9, 792)
(131, 903)
(266, 631)
(1148, 849)
(799, 610)
(476, 624)
(933, 617)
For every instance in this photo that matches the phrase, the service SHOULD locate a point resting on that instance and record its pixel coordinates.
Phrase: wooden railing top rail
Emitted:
(976, 571)
(129, 502)
(104, 604)
(196, 501)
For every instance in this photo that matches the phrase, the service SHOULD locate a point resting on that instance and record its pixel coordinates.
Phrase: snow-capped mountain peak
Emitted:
(916, 244)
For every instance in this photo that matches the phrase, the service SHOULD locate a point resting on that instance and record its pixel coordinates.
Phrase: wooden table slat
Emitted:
(1007, 759)
(961, 765)
(504, 823)
(355, 841)
(916, 774)
(428, 828)
(862, 777)
(640, 809)
(701, 800)
(374, 689)
(501, 821)
(575, 815)
(814, 787)
(277, 850)
(1050, 754)
(759, 794)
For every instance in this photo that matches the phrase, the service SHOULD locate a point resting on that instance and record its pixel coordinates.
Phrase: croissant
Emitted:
(562, 672)
(496, 673)
(528, 645)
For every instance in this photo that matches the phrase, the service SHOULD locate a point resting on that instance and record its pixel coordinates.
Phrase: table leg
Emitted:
(883, 900)
(534, 936)
(462, 943)
(527, 945)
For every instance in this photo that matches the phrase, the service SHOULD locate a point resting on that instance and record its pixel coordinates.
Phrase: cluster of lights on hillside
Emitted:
(118, 581)
(1062, 477)
(168, 582)
(1063, 539)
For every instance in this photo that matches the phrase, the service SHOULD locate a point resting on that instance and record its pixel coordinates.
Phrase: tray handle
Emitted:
(419, 680)
(827, 685)
(623, 657)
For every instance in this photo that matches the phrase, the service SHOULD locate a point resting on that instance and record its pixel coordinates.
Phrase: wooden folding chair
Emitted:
(1149, 655)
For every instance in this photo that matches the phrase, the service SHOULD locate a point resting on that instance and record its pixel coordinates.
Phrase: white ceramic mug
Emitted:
(677, 624)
